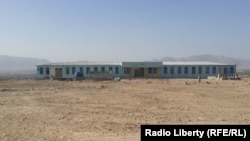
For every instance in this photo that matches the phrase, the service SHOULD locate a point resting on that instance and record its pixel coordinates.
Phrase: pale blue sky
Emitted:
(129, 30)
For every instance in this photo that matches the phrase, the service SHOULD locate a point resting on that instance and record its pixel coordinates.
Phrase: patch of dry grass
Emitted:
(114, 110)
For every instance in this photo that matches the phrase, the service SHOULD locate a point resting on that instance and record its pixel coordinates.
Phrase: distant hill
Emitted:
(15, 64)
(241, 64)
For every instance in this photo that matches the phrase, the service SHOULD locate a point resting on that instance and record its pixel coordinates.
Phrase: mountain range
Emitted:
(241, 64)
(13, 64)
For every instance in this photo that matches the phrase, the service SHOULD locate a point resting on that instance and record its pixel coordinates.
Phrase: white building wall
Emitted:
(190, 74)
(43, 75)
(91, 67)
(231, 70)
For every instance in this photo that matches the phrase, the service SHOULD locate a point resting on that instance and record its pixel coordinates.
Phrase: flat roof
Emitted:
(82, 63)
(141, 64)
(192, 63)
(133, 64)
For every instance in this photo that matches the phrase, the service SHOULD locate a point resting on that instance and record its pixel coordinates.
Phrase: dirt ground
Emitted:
(114, 110)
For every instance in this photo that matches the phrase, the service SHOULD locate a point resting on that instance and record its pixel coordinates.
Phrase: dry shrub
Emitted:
(7, 90)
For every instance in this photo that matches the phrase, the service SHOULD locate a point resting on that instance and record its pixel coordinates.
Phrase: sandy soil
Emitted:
(114, 110)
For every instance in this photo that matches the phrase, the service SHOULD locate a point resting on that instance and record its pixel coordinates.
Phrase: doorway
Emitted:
(139, 72)
(58, 72)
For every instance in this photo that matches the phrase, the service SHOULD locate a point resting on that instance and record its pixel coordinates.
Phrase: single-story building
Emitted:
(136, 70)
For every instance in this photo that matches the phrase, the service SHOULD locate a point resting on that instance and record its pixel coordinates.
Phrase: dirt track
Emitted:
(114, 110)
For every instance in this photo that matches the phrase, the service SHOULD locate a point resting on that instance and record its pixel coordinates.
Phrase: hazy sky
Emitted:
(116, 30)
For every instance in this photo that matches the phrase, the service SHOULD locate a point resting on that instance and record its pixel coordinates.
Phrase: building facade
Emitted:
(136, 70)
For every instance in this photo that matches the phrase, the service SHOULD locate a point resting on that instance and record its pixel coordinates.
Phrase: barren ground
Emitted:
(114, 110)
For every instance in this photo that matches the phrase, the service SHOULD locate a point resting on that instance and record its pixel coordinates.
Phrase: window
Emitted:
(154, 70)
(207, 70)
(225, 71)
(95, 69)
(172, 70)
(81, 69)
(87, 70)
(165, 70)
(110, 69)
(231, 69)
(150, 70)
(116, 70)
(73, 70)
(200, 70)
(126, 70)
(41, 70)
(103, 69)
(214, 70)
(179, 70)
(67, 70)
(47, 70)
(186, 70)
(193, 70)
